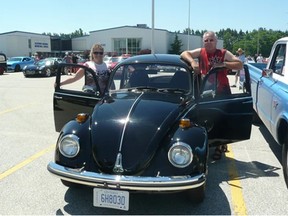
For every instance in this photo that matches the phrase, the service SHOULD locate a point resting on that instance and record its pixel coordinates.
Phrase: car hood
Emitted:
(31, 66)
(128, 128)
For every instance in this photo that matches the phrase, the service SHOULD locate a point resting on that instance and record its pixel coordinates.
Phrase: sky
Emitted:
(66, 16)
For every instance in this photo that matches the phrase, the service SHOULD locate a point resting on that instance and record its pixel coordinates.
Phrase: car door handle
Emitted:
(57, 97)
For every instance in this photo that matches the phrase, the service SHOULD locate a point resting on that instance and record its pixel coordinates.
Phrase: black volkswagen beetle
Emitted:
(150, 131)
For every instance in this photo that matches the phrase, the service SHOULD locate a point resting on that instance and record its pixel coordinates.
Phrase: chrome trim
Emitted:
(127, 120)
(139, 183)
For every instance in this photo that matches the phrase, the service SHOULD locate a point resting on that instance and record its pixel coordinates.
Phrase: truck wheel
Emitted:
(285, 160)
(196, 195)
(17, 68)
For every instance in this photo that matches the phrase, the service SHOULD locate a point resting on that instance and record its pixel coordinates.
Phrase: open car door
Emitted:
(78, 97)
(226, 117)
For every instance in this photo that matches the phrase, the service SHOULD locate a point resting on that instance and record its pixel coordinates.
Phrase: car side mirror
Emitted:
(267, 72)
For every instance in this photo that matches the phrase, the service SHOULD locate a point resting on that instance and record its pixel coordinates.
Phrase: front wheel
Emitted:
(196, 195)
(48, 72)
(285, 160)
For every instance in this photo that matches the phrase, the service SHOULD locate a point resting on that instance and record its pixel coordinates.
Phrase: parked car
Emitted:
(3, 63)
(17, 63)
(113, 61)
(149, 132)
(44, 67)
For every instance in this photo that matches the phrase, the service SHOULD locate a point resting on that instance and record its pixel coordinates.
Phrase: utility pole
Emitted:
(188, 30)
(152, 39)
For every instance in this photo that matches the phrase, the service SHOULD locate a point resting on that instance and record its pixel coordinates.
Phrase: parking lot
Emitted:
(247, 180)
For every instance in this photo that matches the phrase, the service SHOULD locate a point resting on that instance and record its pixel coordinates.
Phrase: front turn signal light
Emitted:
(185, 123)
(82, 117)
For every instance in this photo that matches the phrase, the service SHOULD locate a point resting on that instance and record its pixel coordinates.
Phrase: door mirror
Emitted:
(267, 72)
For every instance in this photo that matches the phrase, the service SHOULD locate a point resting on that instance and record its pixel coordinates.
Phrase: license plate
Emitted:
(111, 199)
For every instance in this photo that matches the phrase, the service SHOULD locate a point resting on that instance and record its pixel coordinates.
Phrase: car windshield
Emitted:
(152, 76)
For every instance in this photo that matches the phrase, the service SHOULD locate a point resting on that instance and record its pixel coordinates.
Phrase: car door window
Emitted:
(278, 59)
(87, 84)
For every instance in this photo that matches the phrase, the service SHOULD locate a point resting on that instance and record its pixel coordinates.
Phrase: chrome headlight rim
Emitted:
(182, 145)
(74, 139)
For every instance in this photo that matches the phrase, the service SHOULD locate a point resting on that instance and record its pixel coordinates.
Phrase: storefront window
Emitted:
(127, 45)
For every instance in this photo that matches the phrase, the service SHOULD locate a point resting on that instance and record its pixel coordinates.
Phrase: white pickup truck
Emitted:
(269, 89)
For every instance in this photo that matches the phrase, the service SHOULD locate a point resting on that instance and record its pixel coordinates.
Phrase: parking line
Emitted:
(238, 202)
(25, 162)
(14, 109)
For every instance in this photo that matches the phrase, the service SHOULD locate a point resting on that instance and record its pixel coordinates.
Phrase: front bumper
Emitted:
(132, 183)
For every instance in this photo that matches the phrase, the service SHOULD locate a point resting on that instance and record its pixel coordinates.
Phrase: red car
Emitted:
(115, 60)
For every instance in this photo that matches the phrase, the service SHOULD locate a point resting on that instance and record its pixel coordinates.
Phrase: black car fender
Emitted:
(196, 137)
(82, 131)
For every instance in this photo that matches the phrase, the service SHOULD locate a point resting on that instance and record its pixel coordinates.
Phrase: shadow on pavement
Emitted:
(80, 200)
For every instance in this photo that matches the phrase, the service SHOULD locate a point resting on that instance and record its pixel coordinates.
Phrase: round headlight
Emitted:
(69, 145)
(180, 155)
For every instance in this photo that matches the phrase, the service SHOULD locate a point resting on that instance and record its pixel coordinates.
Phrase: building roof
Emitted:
(12, 32)
(126, 26)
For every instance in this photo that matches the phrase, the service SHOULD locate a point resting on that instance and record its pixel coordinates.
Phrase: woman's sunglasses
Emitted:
(98, 53)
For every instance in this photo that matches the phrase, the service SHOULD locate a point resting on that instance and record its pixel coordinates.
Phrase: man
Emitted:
(209, 56)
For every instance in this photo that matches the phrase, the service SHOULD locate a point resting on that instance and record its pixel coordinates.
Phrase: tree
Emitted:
(176, 46)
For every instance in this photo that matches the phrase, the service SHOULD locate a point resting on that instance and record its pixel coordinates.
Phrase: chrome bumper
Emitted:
(137, 183)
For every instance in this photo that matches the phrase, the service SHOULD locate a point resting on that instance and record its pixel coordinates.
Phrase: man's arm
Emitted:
(232, 62)
(190, 55)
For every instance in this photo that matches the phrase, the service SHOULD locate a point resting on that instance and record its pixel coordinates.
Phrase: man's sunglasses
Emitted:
(98, 53)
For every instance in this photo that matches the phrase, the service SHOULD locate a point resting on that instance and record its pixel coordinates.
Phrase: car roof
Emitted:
(155, 58)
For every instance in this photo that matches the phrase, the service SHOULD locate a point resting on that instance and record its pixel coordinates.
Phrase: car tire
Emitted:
(48, 72)
(196, 195)
(70, 184)
(285, 160)
(17, 68)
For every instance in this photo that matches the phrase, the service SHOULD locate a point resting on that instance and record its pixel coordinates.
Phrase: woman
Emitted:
(97, 64)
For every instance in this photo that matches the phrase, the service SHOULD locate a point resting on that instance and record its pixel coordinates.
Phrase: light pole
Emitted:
(152, 39)
(188, 30)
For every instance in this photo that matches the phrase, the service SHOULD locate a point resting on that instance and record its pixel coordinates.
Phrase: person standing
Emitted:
(209, 56)
(67, 59)
(260, 58)
(97, 64)
(242, 58)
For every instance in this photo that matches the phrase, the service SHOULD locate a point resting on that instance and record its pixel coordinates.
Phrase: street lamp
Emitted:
(188, 30)
(152, 39)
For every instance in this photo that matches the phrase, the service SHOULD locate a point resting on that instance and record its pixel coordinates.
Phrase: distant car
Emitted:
(45, 67)
(106, 59)
(3, 63)
(17, 63)
(115, 60)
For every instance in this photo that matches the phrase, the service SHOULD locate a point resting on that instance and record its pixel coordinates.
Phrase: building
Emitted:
(116, 41)
(132, 39)
(17, 43)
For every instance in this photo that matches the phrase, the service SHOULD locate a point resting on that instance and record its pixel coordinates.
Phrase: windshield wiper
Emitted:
(172, 90)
